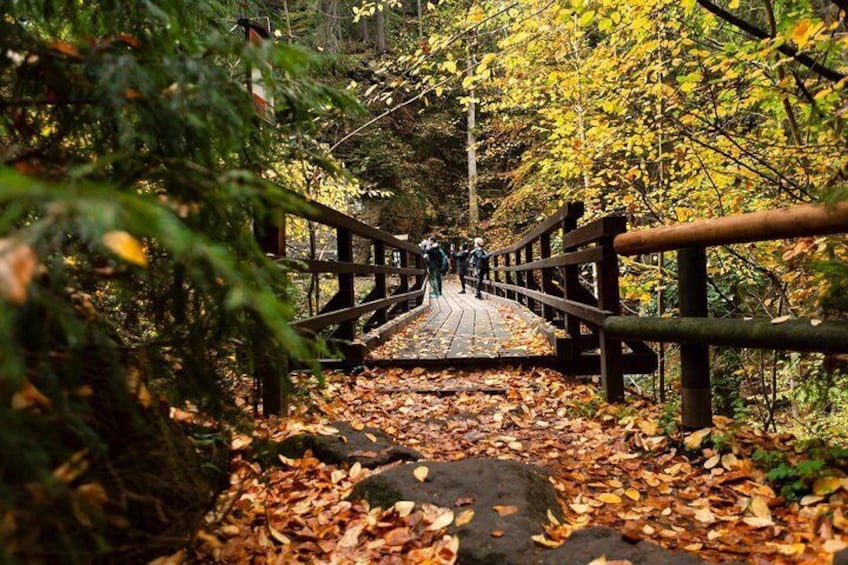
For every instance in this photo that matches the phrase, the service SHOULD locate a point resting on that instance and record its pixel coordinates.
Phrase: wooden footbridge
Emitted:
(563, 274)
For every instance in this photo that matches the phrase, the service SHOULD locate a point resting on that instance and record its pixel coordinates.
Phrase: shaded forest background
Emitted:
(133, 166)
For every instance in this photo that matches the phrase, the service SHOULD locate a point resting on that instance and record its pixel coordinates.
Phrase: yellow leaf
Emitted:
(277, 535)
(355, 470)
(610, 498)
(543, 541)
(757, 523)
(800, 34)
(505, 510)
(404, 507)
(759, 508)
(464, 517)
(693, 440)
(126, 247)
(705, 516)
(712, 461)
(443, 521)
(729, 461)
(421, 473)
(632, 494)
(826, 485)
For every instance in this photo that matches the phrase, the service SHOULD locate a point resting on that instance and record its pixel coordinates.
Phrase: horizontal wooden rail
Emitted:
(321, 321)
(570, 210)
(794, 335)
(798, 221)
(322, 214)
(318, 266)
(588, 314)
(582, 257)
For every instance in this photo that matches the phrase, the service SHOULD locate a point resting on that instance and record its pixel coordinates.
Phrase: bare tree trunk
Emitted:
(380, 17)
(287, 15)
(420, 21)
(471, 149)
(329, 33)
(366, 34)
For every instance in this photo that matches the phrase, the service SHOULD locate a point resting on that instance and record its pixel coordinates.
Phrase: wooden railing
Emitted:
(342, 312)
(550, 285)
(693, 330)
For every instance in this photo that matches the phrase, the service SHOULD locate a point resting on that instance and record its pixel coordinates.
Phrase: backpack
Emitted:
(445, 265)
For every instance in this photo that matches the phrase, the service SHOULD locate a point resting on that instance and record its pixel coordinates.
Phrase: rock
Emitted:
(348, 446)
(841, 558)
(590, 543)
(480, 485)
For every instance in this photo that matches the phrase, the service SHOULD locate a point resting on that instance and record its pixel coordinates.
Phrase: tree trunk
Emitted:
(329, 32)
(366, 34)
(380, 17)
(471, 149)
(420, 20)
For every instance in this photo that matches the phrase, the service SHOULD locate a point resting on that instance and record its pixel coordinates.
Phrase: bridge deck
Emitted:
(460, 327)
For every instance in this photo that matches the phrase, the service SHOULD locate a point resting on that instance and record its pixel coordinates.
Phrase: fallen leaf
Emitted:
(464, 517)
(781, 319)
(372, 437)
(505, 510)
(729, 461)
(632, 494)
(497, 533)
(609, 498)
(277, 535)
(444, 520)
(544, 541)
(355, 471)
(693, 440)
(398, 536)
(705, 516)
(826, 485)
(421, 473)
(404, 507)
(759, 508)
(757, 523)
(712, 461)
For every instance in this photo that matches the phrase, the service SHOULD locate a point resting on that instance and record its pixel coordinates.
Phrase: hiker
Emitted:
(461, 264)
(479, 264)
(437, 264)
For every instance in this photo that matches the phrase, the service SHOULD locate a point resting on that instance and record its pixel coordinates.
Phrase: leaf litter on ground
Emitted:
(610, 464)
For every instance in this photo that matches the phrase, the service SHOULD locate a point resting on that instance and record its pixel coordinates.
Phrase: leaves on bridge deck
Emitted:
(612, 465)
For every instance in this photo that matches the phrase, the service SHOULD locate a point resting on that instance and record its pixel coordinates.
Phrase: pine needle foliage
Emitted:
(130, 161)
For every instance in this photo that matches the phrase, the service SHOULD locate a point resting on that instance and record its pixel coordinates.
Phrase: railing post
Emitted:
(496, 275)
(419, 279)
(275, 384)
(508, 276)
(547, 275)
(612, 370)
(403, 287)
(529, 283)
(694, 358)
(519, 278)
(347, 295)
(571, 284)
(380, 281)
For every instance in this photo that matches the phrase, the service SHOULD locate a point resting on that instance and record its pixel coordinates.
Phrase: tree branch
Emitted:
(788, 50)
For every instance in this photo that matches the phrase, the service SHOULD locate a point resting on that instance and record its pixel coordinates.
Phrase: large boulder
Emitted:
(482, 485)
(369, 447)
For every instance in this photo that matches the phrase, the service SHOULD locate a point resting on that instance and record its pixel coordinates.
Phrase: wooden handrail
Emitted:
(798, 221)
(317, 212)
(570, 210)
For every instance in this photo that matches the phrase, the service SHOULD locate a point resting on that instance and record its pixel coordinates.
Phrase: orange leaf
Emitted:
(398, 536)
(65, 48)
(505, 510)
